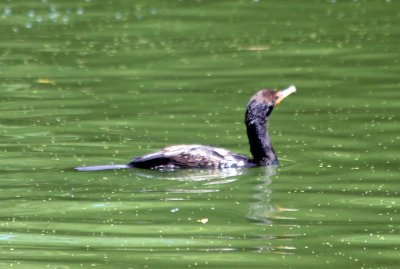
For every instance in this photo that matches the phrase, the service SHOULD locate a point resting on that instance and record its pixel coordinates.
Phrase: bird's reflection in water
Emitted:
(261, 209)
(264, 212)
(215, 175)
(206, 178)
(264, 232)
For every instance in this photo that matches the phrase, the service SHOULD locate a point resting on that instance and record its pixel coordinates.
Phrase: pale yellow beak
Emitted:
(284, 93)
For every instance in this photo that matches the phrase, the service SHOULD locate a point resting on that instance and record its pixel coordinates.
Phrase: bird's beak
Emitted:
(284, 93)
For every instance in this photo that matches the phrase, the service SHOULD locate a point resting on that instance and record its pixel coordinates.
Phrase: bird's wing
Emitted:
(196, 156)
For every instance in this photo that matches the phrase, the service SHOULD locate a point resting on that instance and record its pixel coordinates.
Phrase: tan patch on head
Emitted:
(265, 96)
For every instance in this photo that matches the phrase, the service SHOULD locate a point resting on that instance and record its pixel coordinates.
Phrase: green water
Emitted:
(99, 82)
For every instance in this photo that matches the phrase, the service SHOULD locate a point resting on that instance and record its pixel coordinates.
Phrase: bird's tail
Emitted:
(102, 167)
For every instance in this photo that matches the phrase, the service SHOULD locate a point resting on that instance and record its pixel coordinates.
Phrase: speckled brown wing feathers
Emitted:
(190, 156)
(197, 157)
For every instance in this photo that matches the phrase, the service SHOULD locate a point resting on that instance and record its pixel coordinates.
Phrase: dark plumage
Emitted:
(258, 109)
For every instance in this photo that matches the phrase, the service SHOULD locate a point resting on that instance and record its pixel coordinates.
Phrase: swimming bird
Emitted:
(174, 157)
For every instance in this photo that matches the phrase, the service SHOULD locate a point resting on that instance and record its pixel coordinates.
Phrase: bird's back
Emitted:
(190, 156)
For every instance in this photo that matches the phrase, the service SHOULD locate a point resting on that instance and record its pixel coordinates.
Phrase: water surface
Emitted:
(85, 83)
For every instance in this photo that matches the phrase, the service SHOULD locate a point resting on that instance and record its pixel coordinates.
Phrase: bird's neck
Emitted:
(260, 143)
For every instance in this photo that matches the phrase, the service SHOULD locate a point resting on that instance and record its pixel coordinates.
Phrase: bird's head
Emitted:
(272, 98)
(264, 101)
